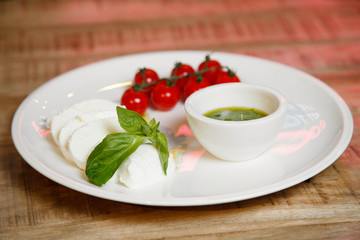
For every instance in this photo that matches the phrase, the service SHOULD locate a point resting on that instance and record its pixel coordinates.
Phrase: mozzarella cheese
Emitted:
(73, 124)
(94, 105)
(143, 167)
(84, 139)
(80, 128)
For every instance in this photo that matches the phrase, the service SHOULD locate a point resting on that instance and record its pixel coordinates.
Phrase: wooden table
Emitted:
(42, 39)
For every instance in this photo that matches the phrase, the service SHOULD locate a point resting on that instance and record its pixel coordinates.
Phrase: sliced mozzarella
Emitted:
(93, 105)
(84, 139)
(143, 167)
(70, 126)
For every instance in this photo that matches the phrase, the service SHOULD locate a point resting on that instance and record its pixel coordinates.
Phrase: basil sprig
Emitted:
(115, 148)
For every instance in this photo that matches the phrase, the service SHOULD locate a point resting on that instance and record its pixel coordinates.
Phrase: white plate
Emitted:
(317, 130)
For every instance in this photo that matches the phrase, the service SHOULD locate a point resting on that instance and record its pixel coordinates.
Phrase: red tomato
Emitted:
(135, 101)
(165, 97)
(182, 70)
(146, 76)
(226, 77)
(212, 74)
(193, 85)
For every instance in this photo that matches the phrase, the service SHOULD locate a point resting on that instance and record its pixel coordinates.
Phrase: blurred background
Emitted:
(40, 39)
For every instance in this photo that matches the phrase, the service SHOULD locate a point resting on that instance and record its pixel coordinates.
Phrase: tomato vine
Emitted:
(164, 93)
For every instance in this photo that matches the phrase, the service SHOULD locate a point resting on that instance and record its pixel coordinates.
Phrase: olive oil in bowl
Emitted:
(235, 114)
(230, 139)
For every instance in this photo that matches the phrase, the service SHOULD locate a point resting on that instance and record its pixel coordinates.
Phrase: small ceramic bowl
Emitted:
(236, 140)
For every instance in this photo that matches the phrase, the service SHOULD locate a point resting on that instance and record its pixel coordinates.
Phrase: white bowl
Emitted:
(236, 140)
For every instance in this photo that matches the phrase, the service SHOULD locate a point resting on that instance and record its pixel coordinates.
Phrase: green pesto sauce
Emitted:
(235, 114)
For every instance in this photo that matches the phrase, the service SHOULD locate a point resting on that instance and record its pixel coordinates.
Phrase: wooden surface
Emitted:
(40, 39)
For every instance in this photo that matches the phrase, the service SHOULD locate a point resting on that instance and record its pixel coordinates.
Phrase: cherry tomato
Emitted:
(193, 85)
(212, 74)
(165, 97)
(226, 77)
(135, 101)
(182, 70)
(146, 76)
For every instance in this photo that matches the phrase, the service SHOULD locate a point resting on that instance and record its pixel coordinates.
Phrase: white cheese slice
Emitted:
(84, 139)
(93, 105)
(143, 167)
(70, 127)
(80, 128)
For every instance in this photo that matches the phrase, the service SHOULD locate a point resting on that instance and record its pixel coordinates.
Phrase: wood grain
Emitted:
(41, 39)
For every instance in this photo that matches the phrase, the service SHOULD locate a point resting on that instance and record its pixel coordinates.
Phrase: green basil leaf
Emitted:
(147, 131)
(161, 145)
(153, 125)
(132, 122)
(107, 156)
